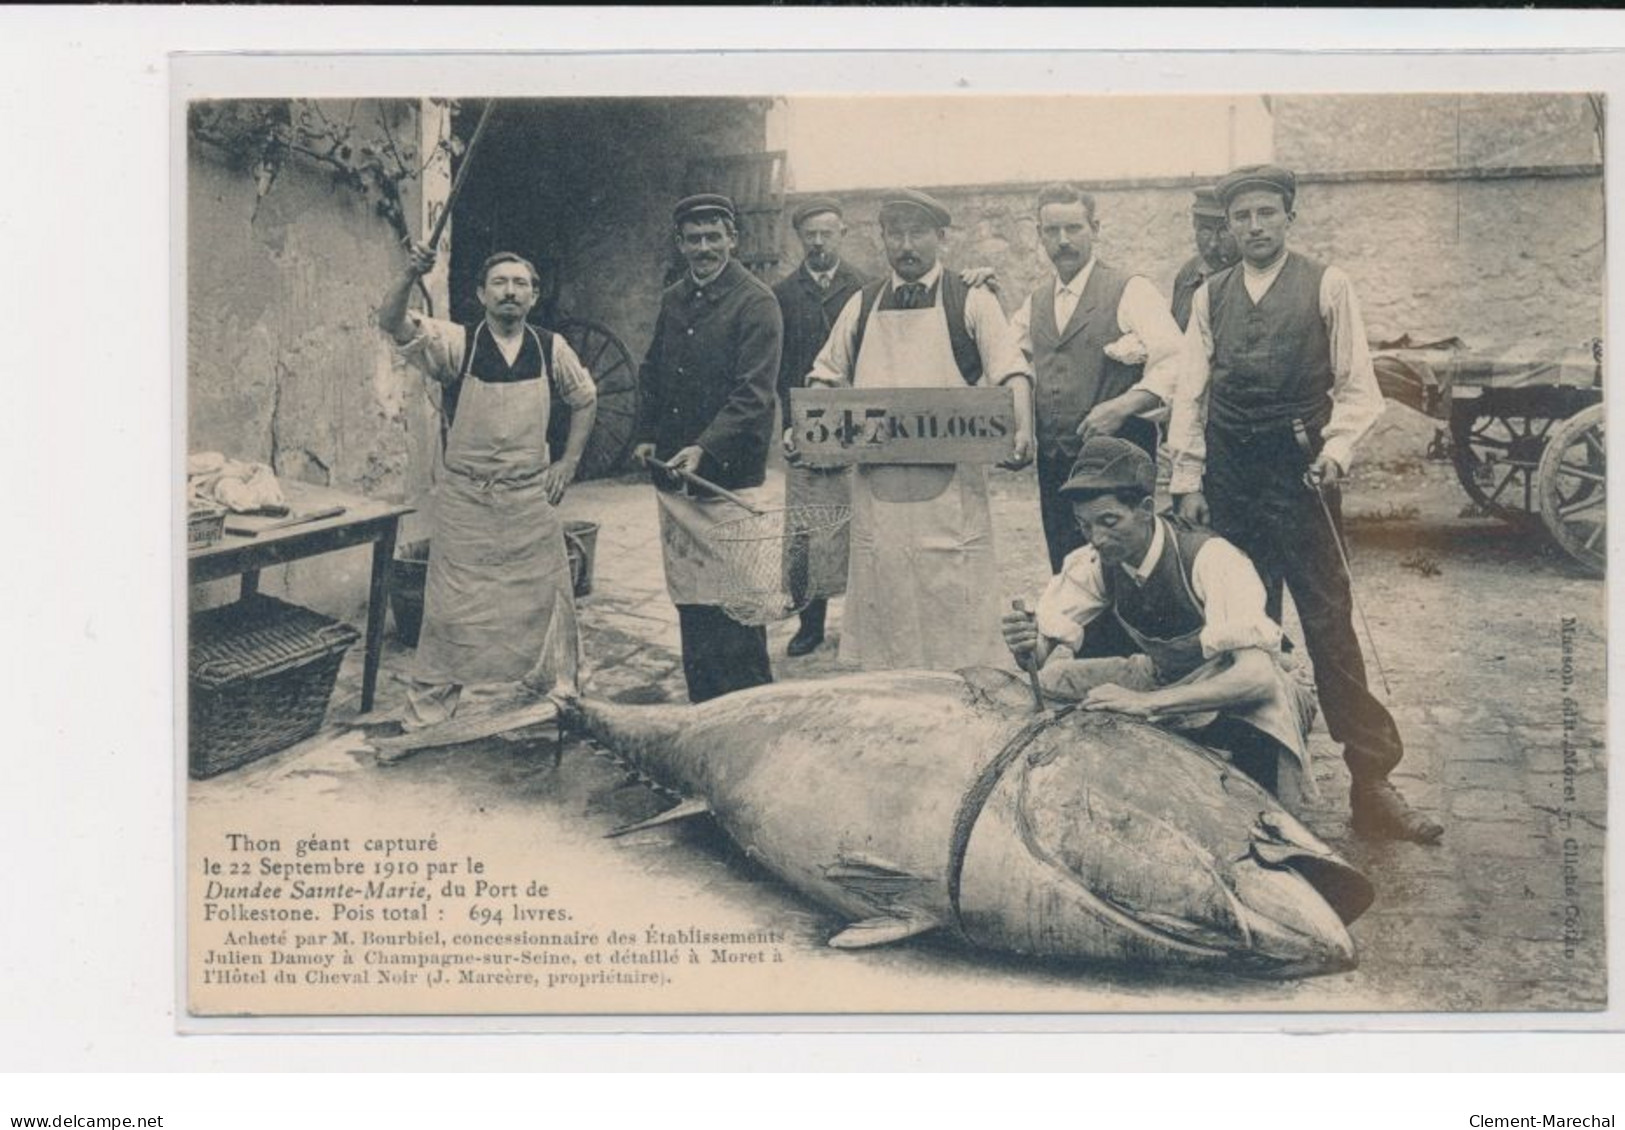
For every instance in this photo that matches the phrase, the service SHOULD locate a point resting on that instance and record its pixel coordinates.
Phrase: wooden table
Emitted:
(364, 521)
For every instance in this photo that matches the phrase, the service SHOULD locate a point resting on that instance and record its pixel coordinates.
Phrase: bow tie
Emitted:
(911, 296)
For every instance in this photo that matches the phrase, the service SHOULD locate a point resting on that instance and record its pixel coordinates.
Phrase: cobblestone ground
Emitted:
(1470, 616)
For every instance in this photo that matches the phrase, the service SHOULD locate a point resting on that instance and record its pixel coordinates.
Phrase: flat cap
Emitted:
(1207, 203)
(1108, 463)
(1272, 178)
(703, 205)
(906, 199)
(817, 206)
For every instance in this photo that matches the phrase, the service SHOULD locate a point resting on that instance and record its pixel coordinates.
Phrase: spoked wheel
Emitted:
(607, 359)
(1573, 482)
(1497, 456)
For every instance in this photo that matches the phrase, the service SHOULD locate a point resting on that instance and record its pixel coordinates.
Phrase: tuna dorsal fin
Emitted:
(694, 806)
(881, 931)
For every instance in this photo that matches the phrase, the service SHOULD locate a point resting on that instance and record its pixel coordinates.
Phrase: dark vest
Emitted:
(1072, 369)
(1163, 615)
(1272, 361)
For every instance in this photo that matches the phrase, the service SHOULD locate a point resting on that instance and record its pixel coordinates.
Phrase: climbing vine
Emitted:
(360, 150)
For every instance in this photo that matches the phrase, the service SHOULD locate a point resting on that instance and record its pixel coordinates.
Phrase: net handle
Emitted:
(689, 476)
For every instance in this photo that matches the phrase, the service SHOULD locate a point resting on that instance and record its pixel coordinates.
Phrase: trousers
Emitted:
(720, 655)
(1259, 503)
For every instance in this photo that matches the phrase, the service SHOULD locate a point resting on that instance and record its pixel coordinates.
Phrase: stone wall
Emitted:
(284, 362)
(1509, 263)
(1342, 132)
(1144, 228)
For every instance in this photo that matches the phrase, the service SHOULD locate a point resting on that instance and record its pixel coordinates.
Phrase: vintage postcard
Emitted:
(534, 669)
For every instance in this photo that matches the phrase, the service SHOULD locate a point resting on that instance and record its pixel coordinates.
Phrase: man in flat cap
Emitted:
(811, 298)
(707, 388)
(1207, 658)
(922, 586)
(1215, 250)
(1103, 350)
(1277, 389)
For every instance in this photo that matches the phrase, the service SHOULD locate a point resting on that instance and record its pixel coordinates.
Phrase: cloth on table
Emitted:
(212, 478)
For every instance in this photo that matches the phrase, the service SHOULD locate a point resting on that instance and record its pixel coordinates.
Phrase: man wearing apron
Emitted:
(1208, 658)
(811, 297)
(923, 587)
(499, 605)
(706, 406)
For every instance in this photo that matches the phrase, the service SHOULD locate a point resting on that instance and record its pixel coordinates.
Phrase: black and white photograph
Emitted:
(966, 553)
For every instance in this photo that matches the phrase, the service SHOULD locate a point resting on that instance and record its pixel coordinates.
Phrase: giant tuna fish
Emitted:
(916, 801)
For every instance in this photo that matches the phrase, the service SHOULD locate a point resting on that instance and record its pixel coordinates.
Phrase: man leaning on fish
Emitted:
(1209, 656)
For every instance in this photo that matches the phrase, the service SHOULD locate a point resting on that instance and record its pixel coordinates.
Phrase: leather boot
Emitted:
(1380, 813)
(811, 632)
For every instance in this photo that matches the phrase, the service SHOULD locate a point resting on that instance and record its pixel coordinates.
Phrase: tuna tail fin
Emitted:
(1279, 840)
(694, 806)
(882, 931)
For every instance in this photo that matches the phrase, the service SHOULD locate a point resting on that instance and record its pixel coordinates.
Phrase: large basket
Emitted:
(261, 674)
(769, 559)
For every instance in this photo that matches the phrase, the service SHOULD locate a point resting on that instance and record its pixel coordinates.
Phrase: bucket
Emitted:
(408, 575)
(581, 542)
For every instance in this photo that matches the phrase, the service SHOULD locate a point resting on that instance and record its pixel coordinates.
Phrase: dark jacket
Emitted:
(1191, 276)
(809, 313)
(710, 373)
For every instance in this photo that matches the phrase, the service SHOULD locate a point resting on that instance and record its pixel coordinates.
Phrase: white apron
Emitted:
(498, 570)
(695, 572)
(922, 587)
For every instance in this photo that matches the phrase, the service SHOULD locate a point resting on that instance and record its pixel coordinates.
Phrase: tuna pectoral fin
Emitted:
(694, 806)
(881, 932)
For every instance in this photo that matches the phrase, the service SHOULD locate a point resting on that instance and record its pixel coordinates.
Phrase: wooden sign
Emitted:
(839, 426)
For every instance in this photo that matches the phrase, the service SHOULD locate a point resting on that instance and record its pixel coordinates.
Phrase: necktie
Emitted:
(911, 296)
(824, 281)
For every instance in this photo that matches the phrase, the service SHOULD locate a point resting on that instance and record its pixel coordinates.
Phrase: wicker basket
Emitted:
(262, 672)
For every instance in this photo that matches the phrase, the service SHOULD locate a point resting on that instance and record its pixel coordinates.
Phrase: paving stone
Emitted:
(1487, 804)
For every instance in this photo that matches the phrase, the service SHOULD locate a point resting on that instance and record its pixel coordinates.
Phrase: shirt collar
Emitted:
(1079, 280)
(1268, 274)
(820, 276)
(929, 279)
(719, 283)
(1143, 572)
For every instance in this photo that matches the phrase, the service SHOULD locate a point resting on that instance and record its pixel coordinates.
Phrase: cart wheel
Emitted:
(1497, 455)
(1574, 489)
(617, 379)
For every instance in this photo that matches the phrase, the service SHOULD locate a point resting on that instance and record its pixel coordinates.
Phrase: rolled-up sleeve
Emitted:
(570, 377)
(1143, 312)
(1187, 424)
(1232, 599)
(1074, 599)
(436, 347)
(1356, 396)
(995, 341)
(833, 365)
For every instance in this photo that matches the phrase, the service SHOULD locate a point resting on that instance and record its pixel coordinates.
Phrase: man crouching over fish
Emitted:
(1209, 656)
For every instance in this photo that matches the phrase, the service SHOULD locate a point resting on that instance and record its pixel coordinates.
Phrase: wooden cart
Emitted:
(1526, 436)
